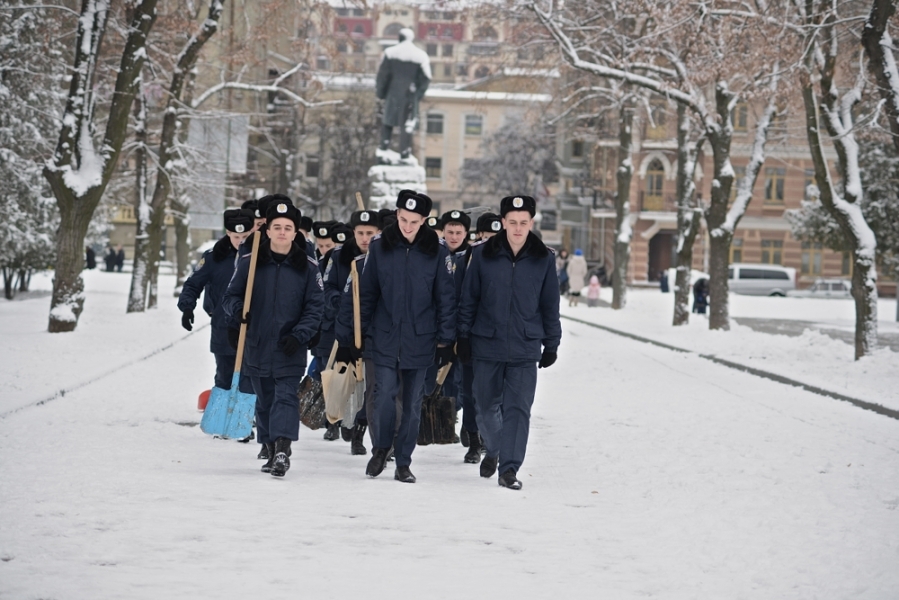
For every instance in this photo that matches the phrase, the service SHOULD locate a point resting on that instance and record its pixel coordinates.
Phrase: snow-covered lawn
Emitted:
(649, 474)
(813, 358)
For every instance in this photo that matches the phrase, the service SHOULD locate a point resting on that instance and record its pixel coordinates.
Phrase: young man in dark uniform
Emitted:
(455, 226)
(211, 277)
(286, 310)
(407, 298)
(509, 310)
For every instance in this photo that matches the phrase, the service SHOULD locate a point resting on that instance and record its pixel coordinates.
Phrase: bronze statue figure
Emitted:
(403, 78)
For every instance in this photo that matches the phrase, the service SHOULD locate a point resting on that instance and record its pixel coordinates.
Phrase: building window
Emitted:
(736, 250)
(435, 123)
(431, 49)
(341, 28)
(432, 32)
(778, 126)
(312, 166)
(359, 29)
(447, 70)
(462, 70)
(811, 258)
(481, 72)
(341, 47)
(447, 50)
(486, 33)
(359, 47)
(741, 117)
(577, 149)
(433, 167)
(657, 128)
(474, 124)
(655, 175)
(846, 267)
(393, 30)
(772, 252)
(322, 63)
(774, 185)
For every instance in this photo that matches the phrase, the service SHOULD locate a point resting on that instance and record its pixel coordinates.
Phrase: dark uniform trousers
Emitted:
(505, 394)
(465, 383)
(392, 383)
(224, 373)
(277, 408)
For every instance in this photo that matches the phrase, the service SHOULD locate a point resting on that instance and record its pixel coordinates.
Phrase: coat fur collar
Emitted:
(297, 256)
(348, 252)
(426, 240)
(533, 246)
(223, 249)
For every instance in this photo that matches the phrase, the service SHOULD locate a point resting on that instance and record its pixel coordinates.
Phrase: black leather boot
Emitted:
(281, 462)
(265, 452)
(475, 447)
(333, 432)
(463, 437)
(508, 480)
(404, 474)
(377, 462)
(346, 433)
(269, 450)
(488, 466)
(357, 444)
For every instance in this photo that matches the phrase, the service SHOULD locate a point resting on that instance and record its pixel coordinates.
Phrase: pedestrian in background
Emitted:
(577, 275)
(663, 281)
(561, 272)
(593, 292)
(109, 258)
(700, 295)
(119, 258)
(90, 257)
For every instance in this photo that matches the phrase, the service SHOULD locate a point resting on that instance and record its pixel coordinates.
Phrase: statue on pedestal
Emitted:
(403, 78)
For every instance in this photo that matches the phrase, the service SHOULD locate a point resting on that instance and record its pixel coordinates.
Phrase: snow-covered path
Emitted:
(649, 474)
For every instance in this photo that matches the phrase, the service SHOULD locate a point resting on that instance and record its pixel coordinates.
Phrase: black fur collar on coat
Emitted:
(348, 252)
(297, 256)
(426, 240)
(533, 246)
(223, 249)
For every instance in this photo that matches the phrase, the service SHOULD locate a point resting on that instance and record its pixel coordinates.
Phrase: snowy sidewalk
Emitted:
(649, 473)
(812, 358)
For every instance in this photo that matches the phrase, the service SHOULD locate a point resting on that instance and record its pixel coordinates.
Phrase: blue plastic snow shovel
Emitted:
(229, 413)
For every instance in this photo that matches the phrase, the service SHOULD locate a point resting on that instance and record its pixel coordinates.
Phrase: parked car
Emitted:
(761, 280)
(825, 288)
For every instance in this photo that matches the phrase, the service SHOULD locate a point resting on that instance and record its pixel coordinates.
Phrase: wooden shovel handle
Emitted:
(359, 201)
(443, 372)
(247, 298)
(357, 313)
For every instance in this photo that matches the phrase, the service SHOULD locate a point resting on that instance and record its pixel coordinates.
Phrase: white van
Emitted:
(761, 280)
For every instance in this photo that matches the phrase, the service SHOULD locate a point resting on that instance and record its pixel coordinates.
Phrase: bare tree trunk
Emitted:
(137, 294)
(77, 180)
(688, 216)
(182, 243)
(24, 279)
(881, 63)
(837, 119)
(623, 230)
(167, 146)
(9, 290)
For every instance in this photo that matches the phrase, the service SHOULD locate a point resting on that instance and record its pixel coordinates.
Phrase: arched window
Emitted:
(359, 29)
(482, 72)
(393, 30)
(486, 33)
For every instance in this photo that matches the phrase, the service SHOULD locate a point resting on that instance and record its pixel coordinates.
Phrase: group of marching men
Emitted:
(489, 306)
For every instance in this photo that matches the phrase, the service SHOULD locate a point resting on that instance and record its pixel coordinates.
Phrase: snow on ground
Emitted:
(649, 474)
(813, 358)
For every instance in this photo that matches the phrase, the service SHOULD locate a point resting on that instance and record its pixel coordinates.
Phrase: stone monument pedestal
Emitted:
(392, 174)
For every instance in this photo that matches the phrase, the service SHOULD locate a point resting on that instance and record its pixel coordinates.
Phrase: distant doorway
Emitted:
(661, 254)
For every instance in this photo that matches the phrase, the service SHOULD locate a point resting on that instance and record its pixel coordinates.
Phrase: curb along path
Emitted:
(63, 391)
(882, 410)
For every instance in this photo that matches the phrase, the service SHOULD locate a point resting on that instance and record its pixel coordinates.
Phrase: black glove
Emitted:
(444, 355)
(463, 350)
(347, 354)
(187, 318)
(289, 345)
(246, 319)
(315, 340)
(233, 337)
(547, 359)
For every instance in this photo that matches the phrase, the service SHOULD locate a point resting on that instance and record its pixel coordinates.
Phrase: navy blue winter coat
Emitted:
(336, 274)
(510, 304)
(407, 300)
(211, 277)
(288, 299)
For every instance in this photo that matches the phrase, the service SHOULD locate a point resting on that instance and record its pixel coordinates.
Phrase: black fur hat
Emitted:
(489, 223)
(341, 233)
(306, 224)
(323, 229)
(267, 202)
(433, 223)
(510, 203)
(282, 210)
(252, 205)
(238, 220)
(365, 217)
(414, 202)
(455, 216)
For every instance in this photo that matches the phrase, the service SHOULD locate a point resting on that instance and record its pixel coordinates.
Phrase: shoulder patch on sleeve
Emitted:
(312, 260)
(201, 263)
(328, 267)
(318, 280)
